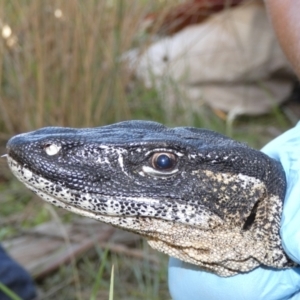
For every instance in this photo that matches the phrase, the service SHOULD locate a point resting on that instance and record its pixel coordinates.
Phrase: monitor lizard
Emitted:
(193, 193)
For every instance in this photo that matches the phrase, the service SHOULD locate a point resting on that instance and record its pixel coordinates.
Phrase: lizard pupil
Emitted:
(163, 161)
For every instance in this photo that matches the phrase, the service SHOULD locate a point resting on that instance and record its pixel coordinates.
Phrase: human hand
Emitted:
(188, 282)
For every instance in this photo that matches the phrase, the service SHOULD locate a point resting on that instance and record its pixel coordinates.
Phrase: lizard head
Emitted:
(193, 193)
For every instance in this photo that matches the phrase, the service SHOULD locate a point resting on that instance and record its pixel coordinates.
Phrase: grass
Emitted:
(9, 293)
(133, 279)
(99, 277)
(61, 66)
(111, 287)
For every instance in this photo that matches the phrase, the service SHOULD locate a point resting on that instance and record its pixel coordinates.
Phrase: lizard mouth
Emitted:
(47, 190)
(105, 207)
(80, 203)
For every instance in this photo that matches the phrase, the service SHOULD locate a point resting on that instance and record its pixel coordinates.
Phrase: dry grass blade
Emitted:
(8, 292)
(62, 66)
(111, 286)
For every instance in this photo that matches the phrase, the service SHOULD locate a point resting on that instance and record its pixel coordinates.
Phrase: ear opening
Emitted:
(251, 218)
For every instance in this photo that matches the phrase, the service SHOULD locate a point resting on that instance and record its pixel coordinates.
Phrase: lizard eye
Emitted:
(51, 149)
(163, 161)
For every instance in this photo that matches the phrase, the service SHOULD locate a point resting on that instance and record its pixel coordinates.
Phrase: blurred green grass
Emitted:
(60, 66)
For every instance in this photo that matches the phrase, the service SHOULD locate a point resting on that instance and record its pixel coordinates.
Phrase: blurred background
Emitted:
(213, 64)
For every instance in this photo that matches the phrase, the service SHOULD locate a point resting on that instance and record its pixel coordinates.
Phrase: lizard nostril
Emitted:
(51, 149)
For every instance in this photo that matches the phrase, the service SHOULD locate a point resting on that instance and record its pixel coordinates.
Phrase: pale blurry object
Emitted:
(231, 61)
(7, 35)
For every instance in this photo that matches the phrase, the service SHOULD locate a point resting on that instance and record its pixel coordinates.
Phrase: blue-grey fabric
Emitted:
(15, 278)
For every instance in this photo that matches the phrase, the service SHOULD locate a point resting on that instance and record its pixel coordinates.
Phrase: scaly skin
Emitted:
(193, 193)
